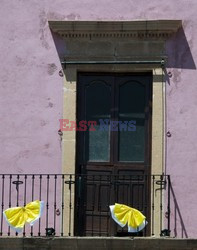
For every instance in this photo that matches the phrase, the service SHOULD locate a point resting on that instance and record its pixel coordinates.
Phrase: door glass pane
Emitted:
(131, 121)
(97, 109)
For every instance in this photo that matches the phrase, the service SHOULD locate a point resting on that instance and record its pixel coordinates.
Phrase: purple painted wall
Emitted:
(31, 88)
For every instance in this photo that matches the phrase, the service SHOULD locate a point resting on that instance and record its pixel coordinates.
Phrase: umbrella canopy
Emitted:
(123, 215)
(16, 217)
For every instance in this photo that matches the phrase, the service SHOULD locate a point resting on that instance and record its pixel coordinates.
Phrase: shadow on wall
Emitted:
(178, 52)
(177, 217)
(60, 45)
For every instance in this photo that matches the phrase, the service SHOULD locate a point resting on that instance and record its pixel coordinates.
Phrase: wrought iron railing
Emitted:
(79, 204)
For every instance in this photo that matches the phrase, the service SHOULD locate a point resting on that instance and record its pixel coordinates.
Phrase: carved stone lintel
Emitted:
(158, 29)
(128, 40)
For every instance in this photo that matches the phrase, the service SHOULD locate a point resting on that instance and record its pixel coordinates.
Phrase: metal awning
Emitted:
(158, 62)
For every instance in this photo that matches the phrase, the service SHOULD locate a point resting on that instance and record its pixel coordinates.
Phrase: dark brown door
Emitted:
(113, 148)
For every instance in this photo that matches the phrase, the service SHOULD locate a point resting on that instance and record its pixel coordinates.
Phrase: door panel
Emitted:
(132, 102)
(97, 107)
(113, 160)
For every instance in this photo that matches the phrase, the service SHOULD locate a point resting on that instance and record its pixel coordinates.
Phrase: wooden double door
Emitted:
(113, 149)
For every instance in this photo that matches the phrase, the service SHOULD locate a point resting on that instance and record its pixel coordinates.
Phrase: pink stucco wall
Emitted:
(31, 88)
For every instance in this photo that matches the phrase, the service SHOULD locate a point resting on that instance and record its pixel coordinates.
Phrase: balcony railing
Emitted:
(78, 205)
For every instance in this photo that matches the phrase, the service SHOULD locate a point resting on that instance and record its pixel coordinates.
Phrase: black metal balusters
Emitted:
(2, 204)
(62, 206)
(94, 194)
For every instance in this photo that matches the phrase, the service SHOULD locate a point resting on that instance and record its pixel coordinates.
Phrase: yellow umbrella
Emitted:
(123, 215)
(16, 217)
